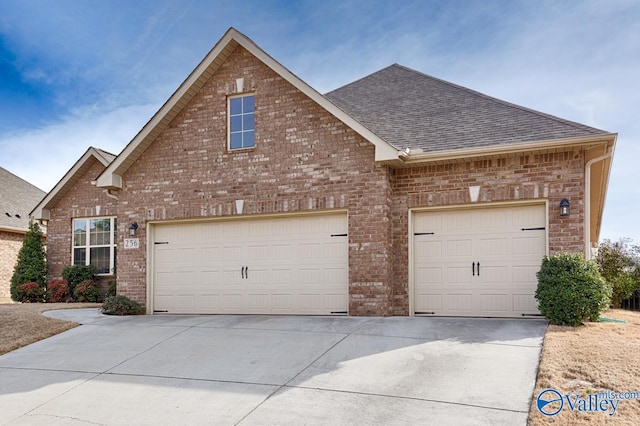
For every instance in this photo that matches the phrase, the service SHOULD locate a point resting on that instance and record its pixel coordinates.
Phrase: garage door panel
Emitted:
(294, 266)
(430, 302)
(491, 238)
(428, 248)
(493, 245)
(459, 247)
(525, 303)
(458, 274)
(459, 303)
(527, 244)
(494, 302)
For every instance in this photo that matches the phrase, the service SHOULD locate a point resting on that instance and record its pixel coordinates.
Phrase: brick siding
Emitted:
(10, 245)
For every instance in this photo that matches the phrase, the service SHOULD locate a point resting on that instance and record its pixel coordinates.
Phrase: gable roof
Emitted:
(41, 211)
(413, 110)
(112, 176)
(17, 198)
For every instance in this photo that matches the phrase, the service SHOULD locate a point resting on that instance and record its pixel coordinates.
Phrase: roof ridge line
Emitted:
(574, 124)
(362, 78)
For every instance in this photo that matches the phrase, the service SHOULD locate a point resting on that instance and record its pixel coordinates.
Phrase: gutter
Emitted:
(587, 199)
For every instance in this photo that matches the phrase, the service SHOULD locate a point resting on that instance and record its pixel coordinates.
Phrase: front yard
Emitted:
(23, 324)
(602, 356)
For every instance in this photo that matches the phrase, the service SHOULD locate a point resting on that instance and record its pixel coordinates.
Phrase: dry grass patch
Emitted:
(594, 357)
(23, 324)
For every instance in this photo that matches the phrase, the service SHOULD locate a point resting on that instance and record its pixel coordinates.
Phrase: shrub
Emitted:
(30, 292)
(620, 265)
(31, 265)
(571, 289)
(87, 291)
(111, 290)
(121, 305)
(58, 291)
(76, 274)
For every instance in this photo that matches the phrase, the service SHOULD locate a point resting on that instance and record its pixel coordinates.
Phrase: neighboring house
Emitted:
(17, 199)
(398, 194)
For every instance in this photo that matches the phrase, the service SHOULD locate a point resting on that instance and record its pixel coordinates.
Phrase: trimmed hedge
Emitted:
(30, 292)
(121, 305)
(88, 291)
(571, 290)
(76, 274)
(58, 291)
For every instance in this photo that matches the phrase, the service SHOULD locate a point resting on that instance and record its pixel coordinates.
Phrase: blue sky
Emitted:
(75, 74)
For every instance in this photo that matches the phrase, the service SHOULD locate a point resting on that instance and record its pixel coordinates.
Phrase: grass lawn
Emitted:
(24, 323)
(603, 356)
(594, 357)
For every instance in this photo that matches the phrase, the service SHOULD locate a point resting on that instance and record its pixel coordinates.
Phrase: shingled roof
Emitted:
(410, 109)
(17, 198)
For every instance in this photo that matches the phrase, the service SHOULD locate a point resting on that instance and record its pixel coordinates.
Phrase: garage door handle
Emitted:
(473, 268)
(242, 272)
(478, 268)
(246, 272)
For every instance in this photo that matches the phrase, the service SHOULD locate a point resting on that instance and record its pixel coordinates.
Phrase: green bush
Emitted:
(87, 291)
(571, 290)
(58, 291)
(30, 292)
(31, 265)
(111, 290)
(76, 274)
(121, 305)
(620, 265)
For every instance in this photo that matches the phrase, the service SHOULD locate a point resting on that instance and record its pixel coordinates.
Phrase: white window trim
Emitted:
(243, 95)
(87, 245)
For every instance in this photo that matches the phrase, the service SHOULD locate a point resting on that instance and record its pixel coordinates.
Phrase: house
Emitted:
(17, 199)
(398, 194)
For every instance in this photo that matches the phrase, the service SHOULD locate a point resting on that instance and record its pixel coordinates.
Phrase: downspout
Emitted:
(587, 201)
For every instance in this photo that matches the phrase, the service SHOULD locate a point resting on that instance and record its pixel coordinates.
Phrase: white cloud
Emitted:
(42, 156)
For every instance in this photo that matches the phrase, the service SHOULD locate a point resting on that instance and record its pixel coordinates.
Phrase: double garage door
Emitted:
(290, 265)
(478, 262)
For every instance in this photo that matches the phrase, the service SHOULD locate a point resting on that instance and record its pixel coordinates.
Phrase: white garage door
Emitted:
(479, 262)
(293, 265)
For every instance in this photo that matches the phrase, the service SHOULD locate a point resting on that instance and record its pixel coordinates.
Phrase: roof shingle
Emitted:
(17, 198)
(413, 110)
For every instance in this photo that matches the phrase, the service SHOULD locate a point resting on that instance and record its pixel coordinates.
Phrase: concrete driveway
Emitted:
(263, 370)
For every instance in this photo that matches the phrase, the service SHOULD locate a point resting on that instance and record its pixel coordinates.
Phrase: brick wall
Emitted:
(84, 200)
(538, 176)
(304, 159)
(10, 245)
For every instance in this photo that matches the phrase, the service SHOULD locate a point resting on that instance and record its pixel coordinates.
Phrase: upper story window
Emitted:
(241, 122)
(94, 243)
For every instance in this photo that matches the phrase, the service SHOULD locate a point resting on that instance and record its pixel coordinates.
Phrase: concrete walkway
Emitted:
(264, 370)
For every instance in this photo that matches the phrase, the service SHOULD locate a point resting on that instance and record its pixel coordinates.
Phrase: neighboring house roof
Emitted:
(112, 176)
(41, 211)
(413, 110)
(17, 198)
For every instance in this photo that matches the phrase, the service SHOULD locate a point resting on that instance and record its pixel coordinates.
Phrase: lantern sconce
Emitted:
(133, 228)
(564, 207)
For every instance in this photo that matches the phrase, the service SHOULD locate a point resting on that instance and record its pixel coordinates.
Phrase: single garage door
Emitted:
(288, 265)
(478, 262)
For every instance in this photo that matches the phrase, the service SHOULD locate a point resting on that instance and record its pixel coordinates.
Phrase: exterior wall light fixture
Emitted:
(564, 207)
(133, 228)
